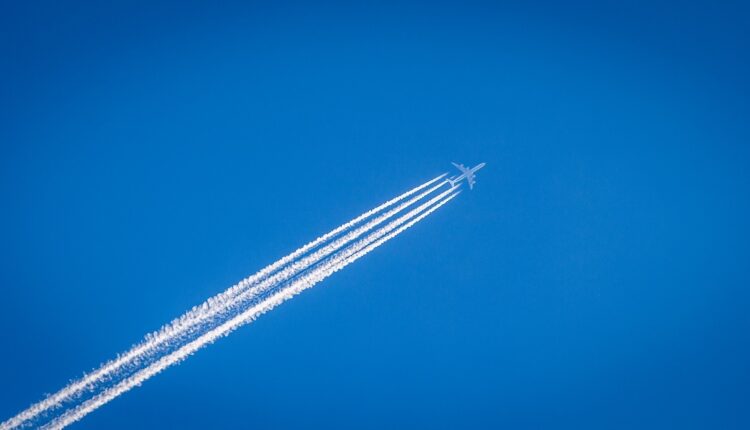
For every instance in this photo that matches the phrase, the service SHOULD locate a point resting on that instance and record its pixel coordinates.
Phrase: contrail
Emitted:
(313, 258)
(336, 263)
(246, 289)
(229, 293)
(173, 333)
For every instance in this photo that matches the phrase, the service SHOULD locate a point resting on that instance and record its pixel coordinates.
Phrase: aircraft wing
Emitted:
(461, 167)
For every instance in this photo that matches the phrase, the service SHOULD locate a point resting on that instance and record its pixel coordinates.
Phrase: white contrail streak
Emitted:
(185, 326)
(225, 296)
(313, 258)
(336, 263)
(173, 334)
(214, 306)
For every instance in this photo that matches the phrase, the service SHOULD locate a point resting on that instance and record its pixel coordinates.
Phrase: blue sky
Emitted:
(154, 153)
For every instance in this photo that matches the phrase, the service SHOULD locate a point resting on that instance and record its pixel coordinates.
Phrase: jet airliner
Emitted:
(467, 173)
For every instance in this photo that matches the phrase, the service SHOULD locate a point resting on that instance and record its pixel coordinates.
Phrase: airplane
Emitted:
(466, 172)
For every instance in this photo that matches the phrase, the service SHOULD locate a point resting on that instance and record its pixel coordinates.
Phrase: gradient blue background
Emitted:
(597, 277)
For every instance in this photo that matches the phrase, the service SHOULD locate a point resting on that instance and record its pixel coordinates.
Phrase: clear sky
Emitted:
(153, 153)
